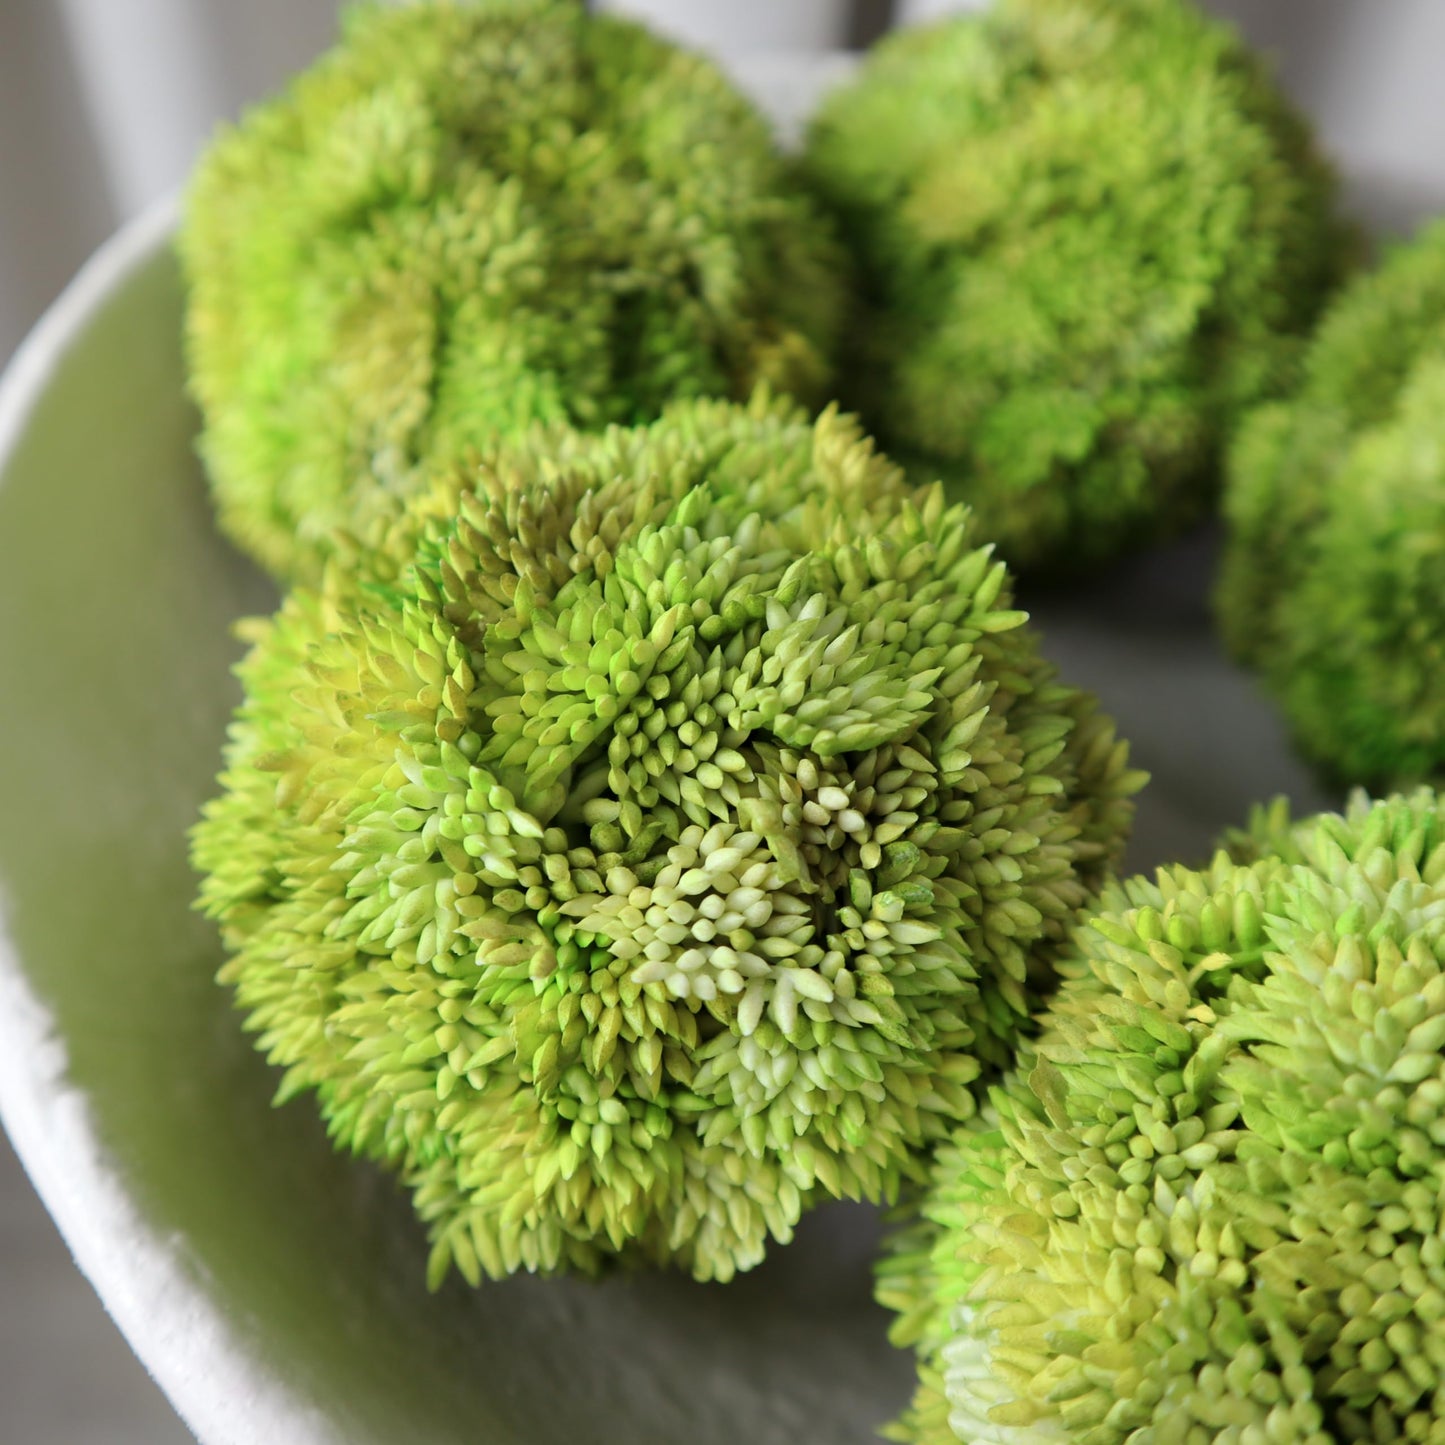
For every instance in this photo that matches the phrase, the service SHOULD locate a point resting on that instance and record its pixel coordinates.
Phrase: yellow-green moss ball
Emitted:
(1090, 232)
(469, 217)
(668, 842)
(1207, 1203)
(1333, 582)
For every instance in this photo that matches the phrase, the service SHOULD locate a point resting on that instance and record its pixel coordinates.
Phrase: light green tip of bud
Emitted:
(1333, 581)
(1206, 1204)
(1091, 232)
(468, 217)
(662, 834)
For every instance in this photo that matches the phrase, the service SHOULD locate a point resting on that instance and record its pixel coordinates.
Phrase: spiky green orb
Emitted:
(1090, 232)
(472, 216)
(1209, 1204)
(668, 843)
(1333, 583)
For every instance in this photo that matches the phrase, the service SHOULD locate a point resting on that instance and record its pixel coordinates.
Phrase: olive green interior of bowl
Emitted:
(116, 597)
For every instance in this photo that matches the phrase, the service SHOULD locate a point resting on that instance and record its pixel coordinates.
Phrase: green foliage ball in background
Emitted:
(1090, 233)
(1207, 1204)
(471, 216)
(668, 843)
(1334, 573)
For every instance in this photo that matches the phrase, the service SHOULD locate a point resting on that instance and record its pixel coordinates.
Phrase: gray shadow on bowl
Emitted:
(1142, 637)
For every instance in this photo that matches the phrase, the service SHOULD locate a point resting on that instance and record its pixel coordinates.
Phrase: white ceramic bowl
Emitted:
(274, 1289)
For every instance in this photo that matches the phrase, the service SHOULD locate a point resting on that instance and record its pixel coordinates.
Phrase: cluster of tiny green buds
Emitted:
(469, 216)
(1207, 1203)
(1090, 234)
(1333, 573)
(660, 831)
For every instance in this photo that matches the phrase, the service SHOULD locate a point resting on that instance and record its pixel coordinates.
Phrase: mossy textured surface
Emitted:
(1333, 583)
(1207, 1204)
(670, 843)
(1090, 233)
(469, 217)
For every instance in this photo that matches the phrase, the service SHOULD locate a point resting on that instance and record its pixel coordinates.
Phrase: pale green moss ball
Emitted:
(469, 217)
(1090, 232)
(1333, 582)
(668, 842)
(1207, 1204)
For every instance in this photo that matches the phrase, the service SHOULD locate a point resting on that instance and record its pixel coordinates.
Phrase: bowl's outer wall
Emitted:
(274, 1288)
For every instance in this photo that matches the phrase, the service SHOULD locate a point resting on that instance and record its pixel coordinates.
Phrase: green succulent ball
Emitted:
(1333, 583)
(468, 217)
(670, 841)
(1090, 232)
(1209, 1203)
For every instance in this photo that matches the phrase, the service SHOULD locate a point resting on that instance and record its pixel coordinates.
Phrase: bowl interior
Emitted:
(116, 599)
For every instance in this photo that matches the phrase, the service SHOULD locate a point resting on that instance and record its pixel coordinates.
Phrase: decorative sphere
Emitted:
(1333, 583)
(469, 217)
(1207, 1203)
(666, 843)
(1090, 233)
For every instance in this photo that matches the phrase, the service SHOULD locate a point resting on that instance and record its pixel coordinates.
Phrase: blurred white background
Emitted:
(103, 106)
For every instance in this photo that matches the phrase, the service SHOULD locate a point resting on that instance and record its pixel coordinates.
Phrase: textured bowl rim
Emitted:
(213, 1378)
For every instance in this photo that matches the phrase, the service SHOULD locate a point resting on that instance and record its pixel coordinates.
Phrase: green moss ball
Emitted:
(669, 845)
(1209, 1204)
(472, 216)
(1333, 583)
(1090, 232)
